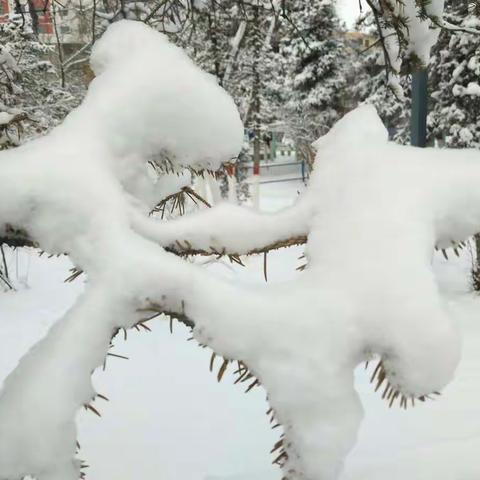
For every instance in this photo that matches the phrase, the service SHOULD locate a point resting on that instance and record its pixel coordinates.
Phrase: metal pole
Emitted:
(418, 123)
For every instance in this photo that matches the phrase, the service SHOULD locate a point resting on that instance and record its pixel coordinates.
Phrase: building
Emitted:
(72, 20)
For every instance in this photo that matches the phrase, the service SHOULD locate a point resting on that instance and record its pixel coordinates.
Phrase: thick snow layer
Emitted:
(164, 104)
(152, 428)
(301, 339)
(422, 33)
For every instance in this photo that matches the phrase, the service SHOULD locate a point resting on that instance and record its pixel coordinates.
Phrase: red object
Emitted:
(45, 24)
(4, 9)
(256, 169)
(42, 7)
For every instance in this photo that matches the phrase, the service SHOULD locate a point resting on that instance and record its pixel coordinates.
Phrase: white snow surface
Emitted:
(152, 428)
(472, 89)
(302, 339)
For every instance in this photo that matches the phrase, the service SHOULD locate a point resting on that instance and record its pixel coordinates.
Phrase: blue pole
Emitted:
(418, 122)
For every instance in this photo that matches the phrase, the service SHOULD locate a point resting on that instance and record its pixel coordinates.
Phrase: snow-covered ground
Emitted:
(168, 417)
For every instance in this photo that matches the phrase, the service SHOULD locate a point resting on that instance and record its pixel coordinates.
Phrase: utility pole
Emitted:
(256, 104)
(418, 122)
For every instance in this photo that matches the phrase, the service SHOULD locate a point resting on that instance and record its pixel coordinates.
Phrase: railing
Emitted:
(280, 171)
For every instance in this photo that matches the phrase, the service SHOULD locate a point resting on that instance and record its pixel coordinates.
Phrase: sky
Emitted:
(348, 10)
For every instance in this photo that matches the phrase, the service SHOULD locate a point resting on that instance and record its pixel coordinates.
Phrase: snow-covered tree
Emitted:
(407, 30)
(455, 89)
(368, 83)
(314, 57)
(31, 98)
(455, 81)
(234, 41)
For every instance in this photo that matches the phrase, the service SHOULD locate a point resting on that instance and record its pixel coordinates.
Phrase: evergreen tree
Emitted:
(455, 82)
(314, 55)
(454, 119)
(31, 100)
(369, 84)
(234, 42)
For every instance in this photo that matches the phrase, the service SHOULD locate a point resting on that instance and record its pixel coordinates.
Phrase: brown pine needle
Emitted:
(394, 397)
(242, 376)
(381, 378)
(247, 377)
(377, 369)
(117, 356)
(141, 324)
(390, 394)
(385, 392)
(278, 445)
(265, 266)
(252, 385)
(282, 456)
(212, 360)
(222, 370)
(92, 409)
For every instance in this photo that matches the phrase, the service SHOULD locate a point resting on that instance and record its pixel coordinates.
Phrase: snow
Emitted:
(5, 118)
(151, 427)
(79, 189)
(422, 34)
(7, 60)
(472, 89)
(411, 308)
(302, 339)
(418, 30)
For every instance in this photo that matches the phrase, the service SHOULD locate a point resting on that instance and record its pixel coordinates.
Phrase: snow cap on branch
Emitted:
(150, 98)
(423, 29)
(410, 30)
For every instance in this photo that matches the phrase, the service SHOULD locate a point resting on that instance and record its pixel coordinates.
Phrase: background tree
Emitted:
(369, 83)
(454, 120)
(315, 59)
(31, 99)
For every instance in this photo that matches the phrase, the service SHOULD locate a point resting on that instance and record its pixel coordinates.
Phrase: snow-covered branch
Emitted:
(407, 30)
(229, 229)
(75, 191)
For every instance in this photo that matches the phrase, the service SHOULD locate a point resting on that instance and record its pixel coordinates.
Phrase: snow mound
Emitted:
(149, 98)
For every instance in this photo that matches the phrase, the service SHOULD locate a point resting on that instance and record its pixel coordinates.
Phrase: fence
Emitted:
(286, 170)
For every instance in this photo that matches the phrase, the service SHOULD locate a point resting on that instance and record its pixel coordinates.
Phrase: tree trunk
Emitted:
(476, 265)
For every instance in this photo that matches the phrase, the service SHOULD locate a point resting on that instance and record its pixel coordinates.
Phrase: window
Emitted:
(44, 25)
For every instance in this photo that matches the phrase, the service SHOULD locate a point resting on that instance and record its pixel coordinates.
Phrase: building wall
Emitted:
(70, 25)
